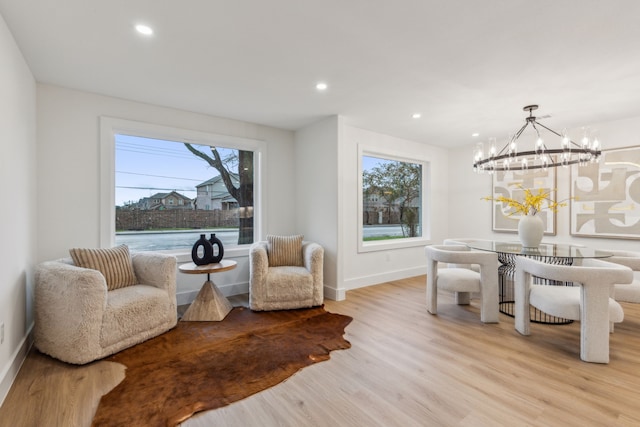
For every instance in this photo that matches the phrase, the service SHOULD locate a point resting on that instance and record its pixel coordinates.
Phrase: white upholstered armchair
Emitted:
(78, 319)
(589, 301)
(285, 273)
(624, 292)
(463, 280)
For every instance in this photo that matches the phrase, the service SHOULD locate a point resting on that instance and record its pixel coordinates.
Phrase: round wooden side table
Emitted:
(210, 304)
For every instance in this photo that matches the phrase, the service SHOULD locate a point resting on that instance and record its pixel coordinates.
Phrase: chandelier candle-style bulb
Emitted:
(539, 146)
(539, 155)
(513, 148)
(565, 142)
(595, 145)
(479, 151)
(545, 162)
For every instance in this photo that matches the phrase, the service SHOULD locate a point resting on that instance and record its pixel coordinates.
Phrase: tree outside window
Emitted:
(169, 192)
(392, 199)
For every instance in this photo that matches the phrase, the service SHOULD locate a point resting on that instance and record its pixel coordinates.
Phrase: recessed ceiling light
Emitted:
(321, 86)
(416, 115)
(475, 134)
(144, 29)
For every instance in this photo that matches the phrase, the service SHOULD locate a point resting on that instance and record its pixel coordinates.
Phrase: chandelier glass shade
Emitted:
(513, 157)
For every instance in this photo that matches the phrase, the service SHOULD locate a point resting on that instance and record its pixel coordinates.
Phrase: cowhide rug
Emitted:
(199, 366)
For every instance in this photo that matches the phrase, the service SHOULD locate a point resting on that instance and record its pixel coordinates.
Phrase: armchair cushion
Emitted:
(289, 284)
(564, 301)
(114, 264)
(285, 250)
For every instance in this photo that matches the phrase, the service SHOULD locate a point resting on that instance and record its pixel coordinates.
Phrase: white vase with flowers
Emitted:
(530, 226)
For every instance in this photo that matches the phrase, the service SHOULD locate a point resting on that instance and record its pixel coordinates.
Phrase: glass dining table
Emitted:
(551, 253)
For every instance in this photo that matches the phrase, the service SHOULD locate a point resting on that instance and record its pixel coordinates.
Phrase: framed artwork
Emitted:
(510, 184)
(606, 196)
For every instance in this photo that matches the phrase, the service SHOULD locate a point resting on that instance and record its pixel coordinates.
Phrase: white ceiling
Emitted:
(466, 65)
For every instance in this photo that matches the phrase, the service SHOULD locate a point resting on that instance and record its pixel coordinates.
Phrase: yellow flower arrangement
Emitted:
(532, 203)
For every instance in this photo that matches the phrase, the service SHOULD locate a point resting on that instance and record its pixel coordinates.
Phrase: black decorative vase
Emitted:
(207, 250)
(216, 243)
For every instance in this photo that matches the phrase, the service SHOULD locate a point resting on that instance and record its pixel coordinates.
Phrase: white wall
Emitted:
(69, 174)
(367, 268)
(471, 217)
(317, 193)
(18, 215)
(327, 203)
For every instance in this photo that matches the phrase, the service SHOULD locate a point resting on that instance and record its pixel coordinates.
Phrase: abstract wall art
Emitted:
(510, 184)
(605, 196)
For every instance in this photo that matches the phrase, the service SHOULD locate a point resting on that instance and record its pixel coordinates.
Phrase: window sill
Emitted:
(185, 256)
(364, 247)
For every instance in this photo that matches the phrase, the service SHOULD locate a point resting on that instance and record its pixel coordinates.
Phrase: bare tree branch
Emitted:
(244, 193)
(216, 162)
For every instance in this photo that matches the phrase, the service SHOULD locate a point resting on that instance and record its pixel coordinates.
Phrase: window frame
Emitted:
(110, 127)
(407, 242)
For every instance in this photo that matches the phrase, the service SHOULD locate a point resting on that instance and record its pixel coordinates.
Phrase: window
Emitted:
(170, 185)
(392, 201)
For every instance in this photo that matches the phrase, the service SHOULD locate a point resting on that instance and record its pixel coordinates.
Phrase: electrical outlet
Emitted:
(1, 332)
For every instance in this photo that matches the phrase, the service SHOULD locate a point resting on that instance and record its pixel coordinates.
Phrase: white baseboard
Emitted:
(334, 294)
(375, 279)
(10, 371)
(187, 297)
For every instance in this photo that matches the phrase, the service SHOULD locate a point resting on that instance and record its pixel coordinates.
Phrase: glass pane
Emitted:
(168, 193)
(392, 199)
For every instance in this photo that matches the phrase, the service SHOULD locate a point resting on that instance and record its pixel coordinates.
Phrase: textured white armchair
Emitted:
(623, 292)
(78, 320)
(278, 282)
(462, 280)
(589, 301)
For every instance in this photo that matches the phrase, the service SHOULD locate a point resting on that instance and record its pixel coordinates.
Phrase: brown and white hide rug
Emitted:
(198, 366)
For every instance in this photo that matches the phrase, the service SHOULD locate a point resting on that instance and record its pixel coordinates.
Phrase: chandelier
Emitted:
(540, 157)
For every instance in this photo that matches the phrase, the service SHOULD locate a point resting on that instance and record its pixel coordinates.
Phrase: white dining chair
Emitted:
(622, 292)
(589, 301)
(461, 280)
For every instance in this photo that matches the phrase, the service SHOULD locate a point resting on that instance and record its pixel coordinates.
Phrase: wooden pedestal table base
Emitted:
(210, 304)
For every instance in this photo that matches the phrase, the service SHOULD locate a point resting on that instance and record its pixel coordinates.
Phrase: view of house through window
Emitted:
(167, 193)
(391, 199)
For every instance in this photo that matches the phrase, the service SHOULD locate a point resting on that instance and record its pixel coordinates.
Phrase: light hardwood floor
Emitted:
(405, 368)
